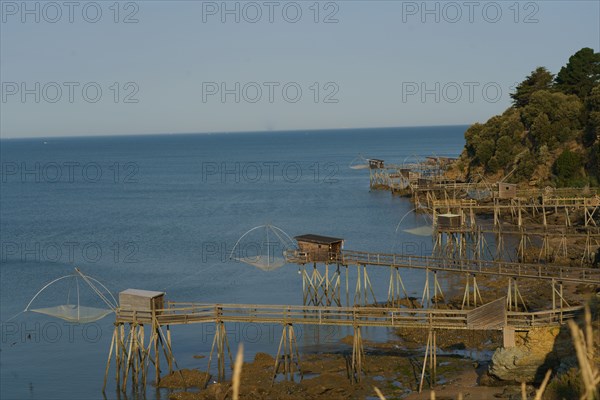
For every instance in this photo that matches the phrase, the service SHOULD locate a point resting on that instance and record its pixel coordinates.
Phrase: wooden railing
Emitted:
(541, 318)
(528, 193)
(189, 313)
(484, 267)
(526, 203)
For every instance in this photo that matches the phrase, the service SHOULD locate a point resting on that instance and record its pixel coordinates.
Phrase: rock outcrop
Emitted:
(535, 352)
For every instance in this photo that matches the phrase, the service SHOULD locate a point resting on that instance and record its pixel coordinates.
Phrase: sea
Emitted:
(170, 213)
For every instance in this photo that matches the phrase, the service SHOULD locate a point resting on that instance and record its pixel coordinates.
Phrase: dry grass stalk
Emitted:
(584, 348)
(540, 391)
(237, 371)
(378, 392)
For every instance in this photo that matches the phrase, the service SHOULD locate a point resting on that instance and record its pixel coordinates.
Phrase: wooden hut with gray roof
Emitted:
(317, 248)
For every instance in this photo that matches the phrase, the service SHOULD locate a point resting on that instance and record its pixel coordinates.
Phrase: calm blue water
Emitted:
(163, 213)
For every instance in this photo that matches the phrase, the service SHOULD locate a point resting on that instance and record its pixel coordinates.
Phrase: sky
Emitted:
(141, 67)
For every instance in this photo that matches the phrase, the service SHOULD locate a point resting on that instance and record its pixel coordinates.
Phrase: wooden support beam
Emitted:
(221, 344)
(358, 356)
(431, 359)
(471, 294)
(426, 297)
(288, 356)
(394, 287)
(437, 289)
(513, 296)
(363, 287)
(113, 345)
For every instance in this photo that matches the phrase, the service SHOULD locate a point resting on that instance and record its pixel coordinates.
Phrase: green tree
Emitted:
(592, 126)
(541, 131)
(567, 168)
(548, 117)
(472, 136)
(540, 79)
(543, 154)
(564, 117)
(511, 125)
(484, 150)
(525, 167)
(581, 73)
(493, 165)
(594, 164)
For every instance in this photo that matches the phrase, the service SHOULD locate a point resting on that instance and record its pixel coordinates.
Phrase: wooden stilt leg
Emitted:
(356, 366)
(427, 349)
(112, 345)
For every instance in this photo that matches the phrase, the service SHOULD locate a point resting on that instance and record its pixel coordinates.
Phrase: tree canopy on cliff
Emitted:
(581, 73)
(551, 134)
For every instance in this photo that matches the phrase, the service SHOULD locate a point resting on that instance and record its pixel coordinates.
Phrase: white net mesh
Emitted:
(412, 223)
(359, 163)
(264, 262)
(263, 247)
(69, 294)
(74, 313)
(426, 230)
(359, 166)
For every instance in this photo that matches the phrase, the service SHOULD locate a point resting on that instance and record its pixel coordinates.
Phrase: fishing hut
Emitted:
(320, 287)
(375, 163)
(138, 338)
(450, 240)
(507, 190)
(378, 175)
(141, 300)
(449, 221)
(319, 248)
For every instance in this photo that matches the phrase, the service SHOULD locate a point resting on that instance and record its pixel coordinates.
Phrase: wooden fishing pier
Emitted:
(144, 319)
(553, 217)
(134, 353)
(325, 278)
(431, 190)
(517, 209)
(535, 244)
(142, 334)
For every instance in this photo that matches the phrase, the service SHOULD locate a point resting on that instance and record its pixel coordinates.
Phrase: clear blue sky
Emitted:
(377, 58)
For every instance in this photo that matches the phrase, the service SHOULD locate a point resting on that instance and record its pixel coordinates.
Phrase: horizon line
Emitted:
(225, 132)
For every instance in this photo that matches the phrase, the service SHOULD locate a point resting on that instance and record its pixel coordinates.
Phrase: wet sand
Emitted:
(394, 367)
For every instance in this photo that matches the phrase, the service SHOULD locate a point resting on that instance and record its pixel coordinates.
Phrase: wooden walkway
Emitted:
(133, 354)
(509, 204)
(479, 267)
(178, 313)
(529, 193)
(534, 230)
